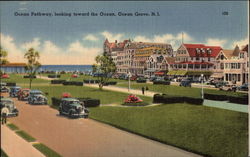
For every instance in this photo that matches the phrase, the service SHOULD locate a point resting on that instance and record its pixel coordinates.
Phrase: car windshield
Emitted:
(7, 101)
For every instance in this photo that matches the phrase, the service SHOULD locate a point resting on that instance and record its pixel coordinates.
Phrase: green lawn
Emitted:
(3, 154)
(177, 90)
(26, 136)
(204, 130)
(46, 150)
(17, 78)
(12, 126)
(106, 96)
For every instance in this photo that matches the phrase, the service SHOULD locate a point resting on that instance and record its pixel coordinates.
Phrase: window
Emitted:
(239, 77)
(197, 58)
(221, 66)
(208, 59)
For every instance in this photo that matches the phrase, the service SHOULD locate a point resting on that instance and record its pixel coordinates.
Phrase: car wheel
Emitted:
(5, 110)
(71, 114)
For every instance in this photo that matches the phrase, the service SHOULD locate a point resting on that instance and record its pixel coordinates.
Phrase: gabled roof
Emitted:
(191, 48)
(245, 48)
(228, 53)
(170, 60)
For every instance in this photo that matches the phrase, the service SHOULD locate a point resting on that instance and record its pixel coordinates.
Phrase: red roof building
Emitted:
(195, 57)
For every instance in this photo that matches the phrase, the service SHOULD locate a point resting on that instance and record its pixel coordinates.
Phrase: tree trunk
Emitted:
(100, 86)
(30, 81)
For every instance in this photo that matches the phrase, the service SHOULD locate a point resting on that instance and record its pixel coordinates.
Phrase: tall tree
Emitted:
(104, 67)
(3, 55)
(33, 65)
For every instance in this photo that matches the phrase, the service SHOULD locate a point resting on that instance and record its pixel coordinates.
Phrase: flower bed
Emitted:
(133, 100)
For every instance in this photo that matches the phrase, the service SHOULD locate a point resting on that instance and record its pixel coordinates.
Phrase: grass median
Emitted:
(3, 154)
(25, 136)
(12, 126)
(200, 129)
(46, 150)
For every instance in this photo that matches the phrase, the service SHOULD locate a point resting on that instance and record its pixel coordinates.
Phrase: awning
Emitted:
(159, 73)
(181, 73)
(171, 72)
(217, 75)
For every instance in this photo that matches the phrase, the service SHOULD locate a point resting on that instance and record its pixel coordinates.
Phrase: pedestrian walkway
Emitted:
(14, 146)
(124, 90)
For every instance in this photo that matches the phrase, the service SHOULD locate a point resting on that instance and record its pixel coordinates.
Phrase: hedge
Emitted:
(54, 76)
(88, 102)
(141, 81)
(27, 76)
(162, 82)
(238, 100)
(110, 83)
(167, 99)
(10, 84)
(217, 97)
(91, 81)
(57, 81)
(72, 83)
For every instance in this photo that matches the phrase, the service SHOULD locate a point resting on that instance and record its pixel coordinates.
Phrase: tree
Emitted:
(3, 55)
(33, 65)
(104, 67)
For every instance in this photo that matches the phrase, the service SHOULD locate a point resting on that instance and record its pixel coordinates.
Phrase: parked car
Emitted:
(7, 106)
(3, 87)
(5, 76)
(73, 108)
(141, 80)
(23, 94)
(152, 78)
(14, 90)
(133, 78)
(186, 83)
(37, 97)
(243, 87)
(220, 84)
(228, 87)
(74, 75)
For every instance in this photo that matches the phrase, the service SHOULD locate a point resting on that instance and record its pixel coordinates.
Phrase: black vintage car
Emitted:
(73, 108)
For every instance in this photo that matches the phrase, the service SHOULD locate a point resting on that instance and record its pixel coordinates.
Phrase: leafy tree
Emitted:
(33, 65)
(3, 55)
(104, 67)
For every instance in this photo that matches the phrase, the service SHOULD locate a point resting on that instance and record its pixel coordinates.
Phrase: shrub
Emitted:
(141, 81)
(88, 102)
(57, 81)
(27, 76)
(91, 81)
(238, 100)
(216, 97)
(196, 101)
(54, 76)
(10, 84)
(162, 82)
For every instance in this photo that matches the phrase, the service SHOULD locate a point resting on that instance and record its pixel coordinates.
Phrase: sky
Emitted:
(78, 39)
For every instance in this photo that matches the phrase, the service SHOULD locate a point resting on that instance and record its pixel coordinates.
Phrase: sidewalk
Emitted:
(15, 146)
(124, 90)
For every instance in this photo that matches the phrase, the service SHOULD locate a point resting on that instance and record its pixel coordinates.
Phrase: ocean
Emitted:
(66, 68)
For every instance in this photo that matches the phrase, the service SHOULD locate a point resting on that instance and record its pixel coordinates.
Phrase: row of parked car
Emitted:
(68, 106)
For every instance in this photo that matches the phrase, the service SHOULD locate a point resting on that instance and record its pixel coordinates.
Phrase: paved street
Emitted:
(86, 137)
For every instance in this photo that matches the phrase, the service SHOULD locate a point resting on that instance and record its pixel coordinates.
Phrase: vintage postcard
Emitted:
(124, 78)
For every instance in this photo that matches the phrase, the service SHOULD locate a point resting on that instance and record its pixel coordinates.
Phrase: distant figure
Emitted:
(147, 88)
(4, 118)
(143, 90)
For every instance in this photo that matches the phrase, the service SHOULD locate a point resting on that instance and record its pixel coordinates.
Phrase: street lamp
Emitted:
(202, 92)
(129, 75)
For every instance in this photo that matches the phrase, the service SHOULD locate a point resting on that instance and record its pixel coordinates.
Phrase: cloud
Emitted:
(112, 37)
(23, 3)
(90, 37)
(173, 39)
(8, 44)
(216, 42)
(240, 43)
(141, 39)
(50, 53)
(33, 44)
